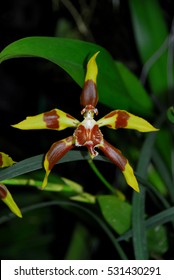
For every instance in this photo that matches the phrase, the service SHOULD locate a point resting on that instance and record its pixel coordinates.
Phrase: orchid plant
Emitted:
(87, 132)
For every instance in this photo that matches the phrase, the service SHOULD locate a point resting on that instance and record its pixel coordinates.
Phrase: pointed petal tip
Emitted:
(155, 129)
(147, 127)
(96, 54)
(93, 57)
(136, 188)
(140, 124)
(7, 198)
(130, 177)
(18, 214)
(92, 69)
(13, 125)
(18, 125)
(123, 119)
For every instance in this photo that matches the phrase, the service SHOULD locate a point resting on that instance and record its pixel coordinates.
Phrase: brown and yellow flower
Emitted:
(87, 133)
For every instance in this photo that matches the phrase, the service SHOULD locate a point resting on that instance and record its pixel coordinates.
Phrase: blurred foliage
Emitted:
(80, 217)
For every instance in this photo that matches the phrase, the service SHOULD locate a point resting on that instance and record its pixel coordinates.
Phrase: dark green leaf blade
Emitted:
(72, 55)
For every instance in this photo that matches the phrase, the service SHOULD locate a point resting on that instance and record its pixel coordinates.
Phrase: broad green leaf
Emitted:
(150, 34)
(72, 56)
(134, 87)
(116, 212)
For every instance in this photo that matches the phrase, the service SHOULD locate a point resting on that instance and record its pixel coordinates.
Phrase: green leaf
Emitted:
(116, 212)
(154, 177)
(138, 217)
(150, 33)
(72, 56)
(134, 88)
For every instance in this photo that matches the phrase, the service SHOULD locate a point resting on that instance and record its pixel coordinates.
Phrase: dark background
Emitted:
(29, 86)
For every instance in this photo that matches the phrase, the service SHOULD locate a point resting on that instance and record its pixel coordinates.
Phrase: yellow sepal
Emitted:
(9, 201)
(92, 69)
(130, 177)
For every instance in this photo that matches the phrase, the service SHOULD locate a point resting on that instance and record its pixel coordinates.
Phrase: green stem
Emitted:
(100, 176)
(105, 182)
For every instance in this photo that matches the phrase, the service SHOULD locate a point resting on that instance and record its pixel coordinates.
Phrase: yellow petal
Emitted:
(54, 119)
(123, 119)
(8, 200)
(130, 177)
(92, 69)
(5, 160)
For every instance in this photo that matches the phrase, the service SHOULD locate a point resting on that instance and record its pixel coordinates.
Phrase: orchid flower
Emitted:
(5, 195)
(87, 133)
